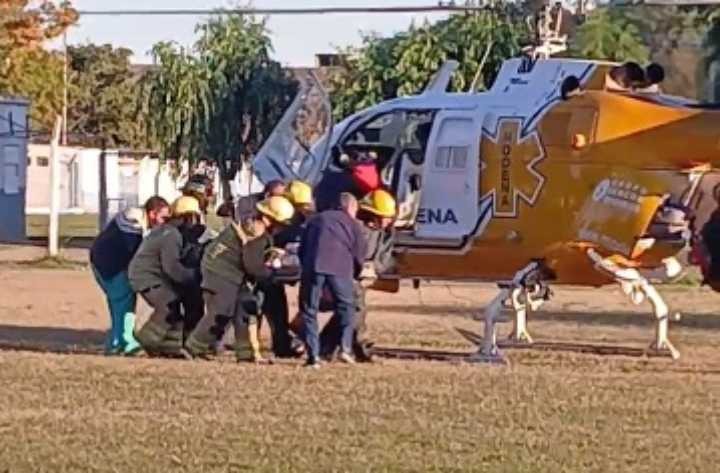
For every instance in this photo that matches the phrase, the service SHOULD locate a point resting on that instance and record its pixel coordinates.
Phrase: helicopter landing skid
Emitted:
(638, 289)
(524, 293)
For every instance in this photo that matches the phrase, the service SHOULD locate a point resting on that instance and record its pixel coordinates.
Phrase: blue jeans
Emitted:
(311, 287)
(121, 299)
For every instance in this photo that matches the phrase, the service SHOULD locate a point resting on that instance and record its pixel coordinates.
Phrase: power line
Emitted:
(283, 11)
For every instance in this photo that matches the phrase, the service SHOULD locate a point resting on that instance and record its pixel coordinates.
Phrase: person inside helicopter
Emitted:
(388, 151)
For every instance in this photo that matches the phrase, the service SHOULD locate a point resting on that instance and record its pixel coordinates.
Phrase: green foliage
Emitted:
(610, 35)
(220, 99)
(35, 74)
(383, 68)
(101, 82)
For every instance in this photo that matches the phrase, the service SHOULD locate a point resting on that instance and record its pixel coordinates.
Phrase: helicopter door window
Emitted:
(451, 158)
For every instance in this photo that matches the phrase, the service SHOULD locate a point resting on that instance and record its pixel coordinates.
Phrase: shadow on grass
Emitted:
(692, 321)
(51, 339)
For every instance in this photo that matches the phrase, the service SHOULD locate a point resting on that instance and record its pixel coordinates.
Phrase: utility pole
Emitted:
(54, 217)
(102, 194)
(65, 90)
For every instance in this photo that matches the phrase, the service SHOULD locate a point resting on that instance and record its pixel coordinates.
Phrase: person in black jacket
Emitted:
(110, 256)
(158, 274)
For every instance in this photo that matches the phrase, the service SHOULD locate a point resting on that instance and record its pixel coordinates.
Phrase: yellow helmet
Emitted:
(277, 208)
(299, 193)
(379, 202)
(186, 205)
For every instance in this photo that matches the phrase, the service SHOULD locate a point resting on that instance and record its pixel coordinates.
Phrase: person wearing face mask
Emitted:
(110, 256)
(158, 274)
(232, 267)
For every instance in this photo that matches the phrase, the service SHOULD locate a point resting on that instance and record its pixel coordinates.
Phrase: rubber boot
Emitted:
(114, 341)
(130, 345)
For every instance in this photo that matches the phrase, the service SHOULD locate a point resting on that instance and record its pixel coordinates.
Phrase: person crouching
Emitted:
(157, 273)
(232, 266)
(110, 256)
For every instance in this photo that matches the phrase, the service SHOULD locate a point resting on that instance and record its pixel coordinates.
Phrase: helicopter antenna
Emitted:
(478, 75)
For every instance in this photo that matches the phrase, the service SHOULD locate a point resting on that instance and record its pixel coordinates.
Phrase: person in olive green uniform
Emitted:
(231, 267)
(156, 272)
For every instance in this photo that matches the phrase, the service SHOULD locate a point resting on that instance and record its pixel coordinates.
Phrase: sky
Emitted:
(296, 39)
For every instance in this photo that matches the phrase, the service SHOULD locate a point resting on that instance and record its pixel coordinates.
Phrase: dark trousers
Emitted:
(226, 302)
(193, 307)
(311, 287)
(162, 332)
(275, 308)
(331, 333)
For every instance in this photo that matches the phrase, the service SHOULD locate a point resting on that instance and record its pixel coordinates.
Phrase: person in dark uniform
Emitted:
(157, 273)
(275, 305)
(195, 238)
(232, 265)
(332, 253)
(377, 212)
(110, 256)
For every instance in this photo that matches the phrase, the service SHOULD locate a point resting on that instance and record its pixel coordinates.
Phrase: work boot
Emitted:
(131, 345)
(171, 345)
(206, 340)
(363, 351)
(150, 336)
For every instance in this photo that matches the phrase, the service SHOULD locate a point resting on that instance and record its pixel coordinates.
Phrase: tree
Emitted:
(220, 99)
(37, 75)
(26, 69)
(383, 68)
(101, 85)
(609, 35)
(25, 24)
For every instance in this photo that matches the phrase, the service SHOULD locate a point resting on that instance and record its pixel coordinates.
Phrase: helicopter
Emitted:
(559, 174)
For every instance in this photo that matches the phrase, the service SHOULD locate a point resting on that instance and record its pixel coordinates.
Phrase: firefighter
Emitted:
(110, 255)
(247, 206)
(157, 273)
(377, 212)
(195, 239)
(199, 186)
(275, 305)
(231, 267)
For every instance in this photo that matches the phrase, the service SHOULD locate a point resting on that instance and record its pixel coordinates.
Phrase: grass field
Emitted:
(544, 412)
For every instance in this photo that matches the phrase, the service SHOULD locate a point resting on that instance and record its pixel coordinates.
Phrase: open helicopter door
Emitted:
(298, 146)
(449, 199)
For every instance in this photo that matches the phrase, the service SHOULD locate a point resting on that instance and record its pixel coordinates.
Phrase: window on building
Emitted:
(43, 161)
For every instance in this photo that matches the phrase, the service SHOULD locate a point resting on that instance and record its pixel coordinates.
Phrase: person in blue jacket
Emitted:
(110, 256)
